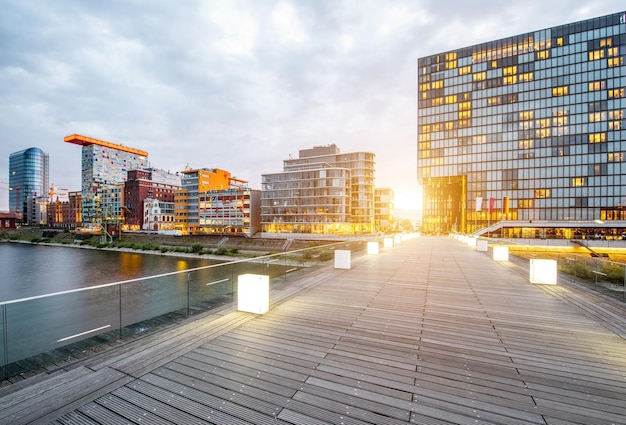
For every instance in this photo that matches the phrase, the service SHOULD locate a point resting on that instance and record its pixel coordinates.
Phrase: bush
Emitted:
(614, 272)
(196, 248)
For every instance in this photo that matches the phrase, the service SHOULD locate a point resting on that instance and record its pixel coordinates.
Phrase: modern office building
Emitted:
(322, 192)
(212, 201)
(28, 178)
(104, 166)
(526, 134)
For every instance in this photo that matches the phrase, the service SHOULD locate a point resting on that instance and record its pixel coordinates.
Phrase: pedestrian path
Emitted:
(429, 331)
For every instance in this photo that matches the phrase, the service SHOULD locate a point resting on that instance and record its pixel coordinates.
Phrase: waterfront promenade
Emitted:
(429, 331)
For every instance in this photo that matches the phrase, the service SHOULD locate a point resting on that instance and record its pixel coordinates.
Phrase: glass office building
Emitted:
(525, 131)
(28, 178)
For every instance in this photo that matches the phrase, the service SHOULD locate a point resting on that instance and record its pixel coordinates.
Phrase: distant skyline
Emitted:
(237, 85)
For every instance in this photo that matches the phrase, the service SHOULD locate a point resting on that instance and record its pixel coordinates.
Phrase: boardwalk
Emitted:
(427, 332)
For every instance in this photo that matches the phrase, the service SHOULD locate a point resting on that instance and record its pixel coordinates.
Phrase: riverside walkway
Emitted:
(428, 332)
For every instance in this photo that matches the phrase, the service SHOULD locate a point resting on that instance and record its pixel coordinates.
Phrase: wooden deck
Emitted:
(427, 332)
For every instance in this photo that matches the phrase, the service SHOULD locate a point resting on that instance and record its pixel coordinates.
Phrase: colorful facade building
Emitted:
(104, 166)
(526, 132)
(322, 191)
(212, 201)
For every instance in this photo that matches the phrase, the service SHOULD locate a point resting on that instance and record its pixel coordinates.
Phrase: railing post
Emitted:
(120, 308)
(5, 337)
(188, 294)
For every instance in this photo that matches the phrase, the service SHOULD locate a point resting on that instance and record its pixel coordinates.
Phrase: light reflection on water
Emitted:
(27, 270)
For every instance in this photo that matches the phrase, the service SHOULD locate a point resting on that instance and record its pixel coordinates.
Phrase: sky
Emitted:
(240, 85)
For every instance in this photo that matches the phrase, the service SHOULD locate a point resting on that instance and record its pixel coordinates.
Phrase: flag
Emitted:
(479, 203)
(492, 204)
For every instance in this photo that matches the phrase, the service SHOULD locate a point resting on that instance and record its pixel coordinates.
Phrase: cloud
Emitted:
(237, 85)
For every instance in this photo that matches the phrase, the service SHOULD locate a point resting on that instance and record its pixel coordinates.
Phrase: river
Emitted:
(28, 270)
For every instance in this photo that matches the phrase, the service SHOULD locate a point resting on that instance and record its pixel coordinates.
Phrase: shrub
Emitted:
(614, 272)
(196, 248)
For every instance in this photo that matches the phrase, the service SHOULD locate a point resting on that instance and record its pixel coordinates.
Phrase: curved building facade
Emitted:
(28, 178)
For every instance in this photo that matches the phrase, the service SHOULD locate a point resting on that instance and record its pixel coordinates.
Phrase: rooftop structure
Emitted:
(104, 167)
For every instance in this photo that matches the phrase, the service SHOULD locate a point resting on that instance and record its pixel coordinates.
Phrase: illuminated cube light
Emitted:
(471, 242)
(543, 271)
(500, 253)
(482, 245)
(342, 259)
(388, 243)
(253, 293)
(397, 239)
(372, 248)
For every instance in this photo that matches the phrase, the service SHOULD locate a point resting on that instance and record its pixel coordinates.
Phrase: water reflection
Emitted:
(27, 270)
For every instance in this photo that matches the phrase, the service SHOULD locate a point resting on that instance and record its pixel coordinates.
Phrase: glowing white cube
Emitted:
(397, 239)
(372, 248)
(482, 245)
(500, 253)
(342, 259)
(471, 242)
(388, 243)
(253, 293)
(543, 271)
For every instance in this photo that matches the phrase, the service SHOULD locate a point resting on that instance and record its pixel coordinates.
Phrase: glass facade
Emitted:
(28, 178)
(526, 128)
(323, 192)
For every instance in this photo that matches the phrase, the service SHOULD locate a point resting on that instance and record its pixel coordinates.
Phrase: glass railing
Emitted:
(49, 328)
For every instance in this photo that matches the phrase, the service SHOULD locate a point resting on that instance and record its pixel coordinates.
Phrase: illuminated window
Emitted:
(578, 181)
(465, 70)
(494, 100)
(597, 117)
(543, 123)
(615, 125)
(465, 114)
(526, 144)
(616, 157)
(526, 125)
(479, 76)
(451, 99)
(597, 137)
(525, 78)
(542, 133)
(559, 91)
(613, 62)
(596, 85)
(616, 115)
(613, 51)
(494, 64)
(424, 86)
(527, 115)
(451, 65)
(437, 101)
(559, 41)
(616, 93)
(464, 106)
(606, 42)
(525, 203)
(436, 127)
(479, 140)
(510, 80)
(596, 54)
(424, 137)
(509, 70)
(451, 56)
(438, 84)
(541, 55)
(464, 123)
(426, 128)
(542, 193)
(450, 125)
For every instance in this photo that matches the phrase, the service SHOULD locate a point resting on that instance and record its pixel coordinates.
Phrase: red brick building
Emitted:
(8, 220)
(143, 184)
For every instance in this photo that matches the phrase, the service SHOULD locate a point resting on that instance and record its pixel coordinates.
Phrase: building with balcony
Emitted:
(104, 166)
(323, 191)
(212, 201)
(384, 219)
(28, 179)
(526, 130)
